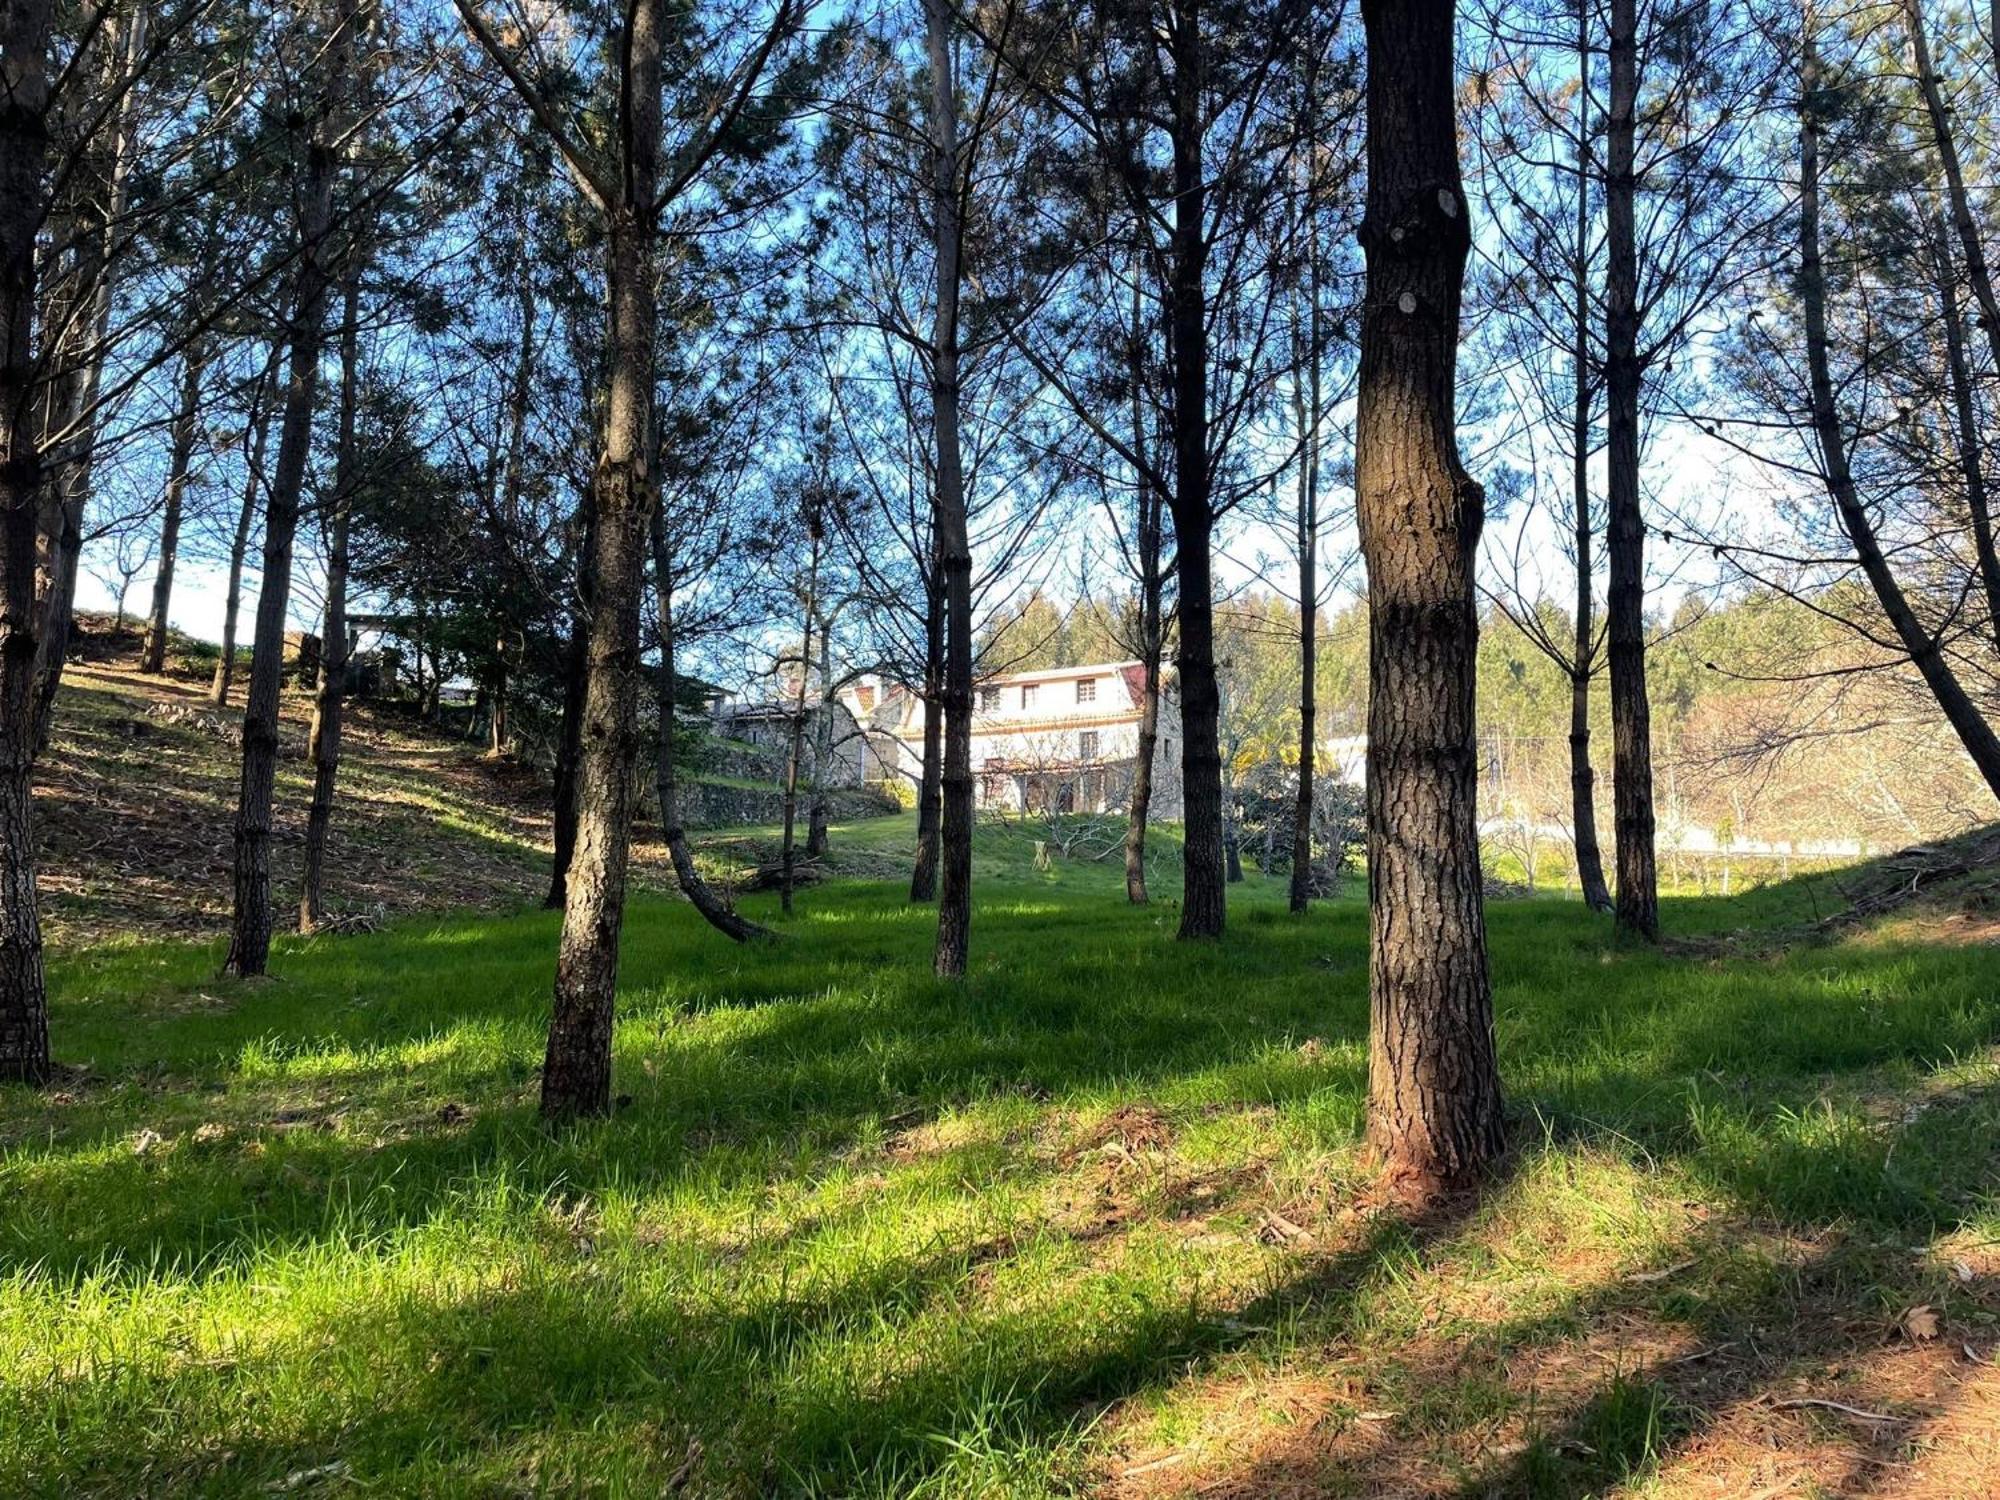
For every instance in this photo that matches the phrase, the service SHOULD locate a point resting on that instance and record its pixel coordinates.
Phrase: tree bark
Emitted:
(1965, 412)
(258, 428)
(1202, 901)
(569, 733)
(1638, 902)
(153, 656)
(816, 833)
(250, 937)
(100, 187)
(24, 1017)
(1148, 511)
(576, 1074)
(1974, 733)
(1306, 405)
(788, 851)
(1434, 1110)
(923, 878)
(666, 782)
(1582, 778)
(324, 738)
(954, 934)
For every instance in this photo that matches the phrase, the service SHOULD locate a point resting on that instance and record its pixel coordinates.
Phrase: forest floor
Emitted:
(1096, 1223)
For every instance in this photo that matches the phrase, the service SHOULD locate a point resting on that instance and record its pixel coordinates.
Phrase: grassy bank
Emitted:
(1095, 1223)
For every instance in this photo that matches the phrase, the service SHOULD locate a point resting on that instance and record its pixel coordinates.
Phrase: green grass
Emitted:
(858, 1232)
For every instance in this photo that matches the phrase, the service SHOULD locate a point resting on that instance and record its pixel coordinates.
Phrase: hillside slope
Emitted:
(137, 794)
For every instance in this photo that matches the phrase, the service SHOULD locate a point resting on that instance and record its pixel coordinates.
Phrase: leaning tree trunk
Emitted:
(153, 656)
(1434, 1109)
(324, 739)
(1202, 901)
(1638, 903)
(923, 877)
(1582, 779)
(24, 1016)
(250, 937)
(259, 424)
(954, 933)
(1974, 733)
(666, 781)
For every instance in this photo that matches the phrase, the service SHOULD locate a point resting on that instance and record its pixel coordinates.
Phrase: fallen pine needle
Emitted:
(1852, 1411)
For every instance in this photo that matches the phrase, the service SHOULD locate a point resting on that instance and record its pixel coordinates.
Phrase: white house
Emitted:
(1062, 739)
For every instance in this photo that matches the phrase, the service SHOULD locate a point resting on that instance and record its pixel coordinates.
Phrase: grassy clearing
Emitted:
(1094, 1224)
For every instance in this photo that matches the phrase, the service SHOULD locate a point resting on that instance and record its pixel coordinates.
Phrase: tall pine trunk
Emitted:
(1583, 658)
(569, 730)
(97, 190)
(1149, 510)
(250, 935)
(788, 847)
(323, 741)
(954, 933)
(1305, 406)
(576, 1071)
(24, 1016)
(1434, 1110)
(1202, 901)
(153, 656)
(816, 831)
(1638, 901)
(258, 427)
(1974, 733)
(923, 877)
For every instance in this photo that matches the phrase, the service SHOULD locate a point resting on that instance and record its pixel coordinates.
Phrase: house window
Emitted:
(1086, 745)
(1086, 690)
(989, 700)
(1027, 696)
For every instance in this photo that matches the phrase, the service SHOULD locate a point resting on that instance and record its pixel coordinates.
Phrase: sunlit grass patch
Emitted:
(1100, 1220)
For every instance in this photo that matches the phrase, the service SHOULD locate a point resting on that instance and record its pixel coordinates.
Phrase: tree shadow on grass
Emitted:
(781, 1073)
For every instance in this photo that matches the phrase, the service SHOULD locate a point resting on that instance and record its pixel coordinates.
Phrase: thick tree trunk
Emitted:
(24, 1017)
(1974, 733)
(576, 1075)
(1638, 902)
(923, 878)
(1202, 902)
(250, 936)
(1582, 779)
(666, 782)
(259, 427)
(324, 739)
(954, 934)
(153, 656)
(1434, 1108)
(1972, 469)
